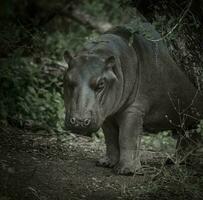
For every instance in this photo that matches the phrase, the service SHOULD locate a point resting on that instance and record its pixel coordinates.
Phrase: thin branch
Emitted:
(175, 26)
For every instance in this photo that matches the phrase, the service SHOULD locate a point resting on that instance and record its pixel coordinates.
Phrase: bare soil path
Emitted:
(44, 166)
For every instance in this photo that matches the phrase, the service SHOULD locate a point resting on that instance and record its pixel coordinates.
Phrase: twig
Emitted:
(160, 172)
(175, 26)
(192, 102)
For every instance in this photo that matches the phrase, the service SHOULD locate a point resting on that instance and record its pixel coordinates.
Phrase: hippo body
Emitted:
(127, 85)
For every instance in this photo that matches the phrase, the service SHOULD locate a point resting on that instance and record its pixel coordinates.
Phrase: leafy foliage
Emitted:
(27, 94)
(160, 142)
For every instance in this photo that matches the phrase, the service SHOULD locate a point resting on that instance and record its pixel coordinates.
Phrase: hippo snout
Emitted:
(75, 122)
(83, 126)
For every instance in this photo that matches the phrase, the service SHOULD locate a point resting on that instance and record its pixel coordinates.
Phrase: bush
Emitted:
(27, 94)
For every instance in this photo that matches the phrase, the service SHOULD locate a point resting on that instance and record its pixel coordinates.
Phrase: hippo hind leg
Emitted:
(111, 134)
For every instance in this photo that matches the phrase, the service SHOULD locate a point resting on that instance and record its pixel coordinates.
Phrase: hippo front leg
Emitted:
(111, 133)
(131, 127)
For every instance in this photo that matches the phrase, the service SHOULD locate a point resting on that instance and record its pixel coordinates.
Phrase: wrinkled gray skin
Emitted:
(126, 89)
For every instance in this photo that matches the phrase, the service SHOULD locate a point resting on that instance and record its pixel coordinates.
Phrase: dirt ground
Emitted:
(48, 166)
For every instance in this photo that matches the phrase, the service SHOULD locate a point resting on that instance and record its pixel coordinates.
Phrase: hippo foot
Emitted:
(106, 162)
(127, 169)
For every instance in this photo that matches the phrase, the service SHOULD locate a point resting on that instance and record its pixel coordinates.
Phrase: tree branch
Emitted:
(87, 20)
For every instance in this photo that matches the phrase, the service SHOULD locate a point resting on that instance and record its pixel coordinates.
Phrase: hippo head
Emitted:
(89, 85)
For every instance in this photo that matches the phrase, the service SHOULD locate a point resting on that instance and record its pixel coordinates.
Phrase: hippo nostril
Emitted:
(72, 120)
(87, 122)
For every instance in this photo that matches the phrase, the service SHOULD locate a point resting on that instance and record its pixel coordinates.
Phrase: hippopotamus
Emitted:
(127, 85)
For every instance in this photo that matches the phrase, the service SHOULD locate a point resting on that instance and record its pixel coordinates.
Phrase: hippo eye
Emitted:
(100, 85)
(70, 81)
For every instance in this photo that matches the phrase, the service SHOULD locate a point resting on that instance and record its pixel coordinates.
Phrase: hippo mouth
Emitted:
(84, 132)
(81, 130)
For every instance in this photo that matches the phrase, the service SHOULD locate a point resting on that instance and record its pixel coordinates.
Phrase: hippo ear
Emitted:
(110, 62)
(67, 56)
